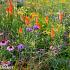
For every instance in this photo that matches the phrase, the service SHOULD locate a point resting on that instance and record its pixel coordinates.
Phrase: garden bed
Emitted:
(34, 35)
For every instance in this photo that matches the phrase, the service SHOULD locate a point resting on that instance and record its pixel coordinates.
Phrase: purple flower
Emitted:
(35, 27)
(10, 48)
(10, 63)
(20, 47)
(29, 29)
(3, 43)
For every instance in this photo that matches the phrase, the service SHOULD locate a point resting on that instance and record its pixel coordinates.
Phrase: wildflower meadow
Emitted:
(34, 34)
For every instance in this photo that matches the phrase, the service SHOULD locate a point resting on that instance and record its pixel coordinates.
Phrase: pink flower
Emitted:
(51, 47)
(1, 33)
(10, 48)
(4, 42)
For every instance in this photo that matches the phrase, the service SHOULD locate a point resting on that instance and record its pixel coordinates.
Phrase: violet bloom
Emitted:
(10, 63)
(3, 43)
(35, 27)
(20, 47)
(29, 29)
(10, 48)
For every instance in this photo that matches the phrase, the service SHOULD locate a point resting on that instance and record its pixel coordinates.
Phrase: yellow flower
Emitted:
(19, 12)
(33, 14)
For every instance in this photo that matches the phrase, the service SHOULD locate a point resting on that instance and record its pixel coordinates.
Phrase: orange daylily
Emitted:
(60, 16)
(47, 19)
(27, 21)
(20, 30)
(37, 23)
(10, 8)
(52, 32)
(36, 19)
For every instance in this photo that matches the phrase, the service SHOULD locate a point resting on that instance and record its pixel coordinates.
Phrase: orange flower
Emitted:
(60, 16)
(36, 19)
(46, 19)
(37, 23)
(27, 21)
(20, 30)
(10, 8)
(52, 32)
